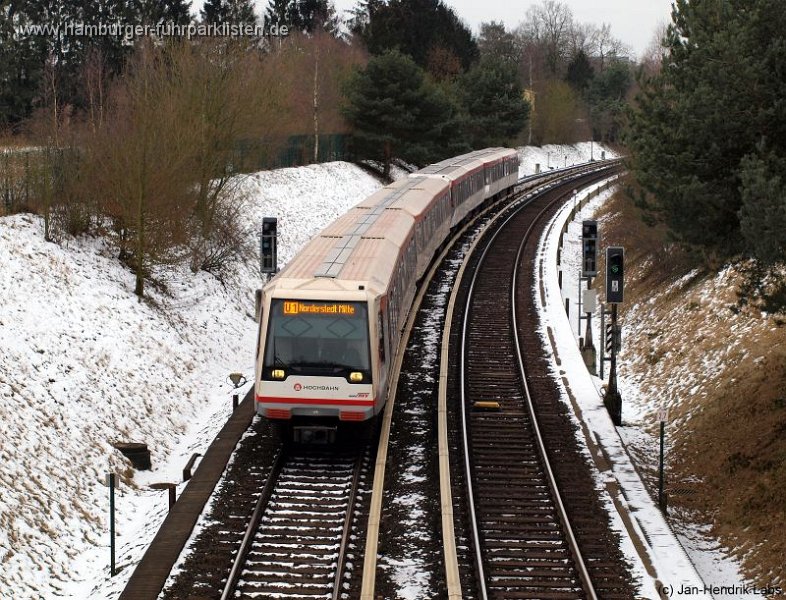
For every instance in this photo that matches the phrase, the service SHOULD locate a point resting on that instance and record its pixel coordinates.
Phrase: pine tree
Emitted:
(763, 211)
(493, 100)
(160, 12)
(303, 15)
(21, 66)
(580, 72)
(497, 43)
(697, 118)
(607, 100)
(394, 111)
(415, 27)
(228, 11)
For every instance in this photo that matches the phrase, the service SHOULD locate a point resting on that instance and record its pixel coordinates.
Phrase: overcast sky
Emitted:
(632, 21)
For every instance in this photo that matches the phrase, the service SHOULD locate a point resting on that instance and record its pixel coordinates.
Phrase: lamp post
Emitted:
(238, 380)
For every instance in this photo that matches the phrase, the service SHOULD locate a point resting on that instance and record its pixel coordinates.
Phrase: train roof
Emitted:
(453, 168)
(407, 194)
(362, 245)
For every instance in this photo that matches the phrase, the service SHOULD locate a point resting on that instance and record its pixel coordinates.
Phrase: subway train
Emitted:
(331, 321)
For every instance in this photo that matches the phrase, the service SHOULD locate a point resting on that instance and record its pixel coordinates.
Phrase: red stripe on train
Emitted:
(328, 401)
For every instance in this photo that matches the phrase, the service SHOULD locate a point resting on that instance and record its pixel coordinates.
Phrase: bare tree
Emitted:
(313, 69)
(605, 45)
(138, 162)
(581, 39)
(550, 25)
(96, 81)
(653, 55)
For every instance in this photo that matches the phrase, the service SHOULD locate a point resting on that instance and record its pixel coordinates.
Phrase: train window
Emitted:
(317, 337)
(381, 329)
(260, 317)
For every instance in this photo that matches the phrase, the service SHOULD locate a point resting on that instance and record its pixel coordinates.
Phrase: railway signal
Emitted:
(589, 245)
(268, 241)
(615, 258)
(589, 269)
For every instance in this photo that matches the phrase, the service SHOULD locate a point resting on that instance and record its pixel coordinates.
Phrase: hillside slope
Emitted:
(720, 369)
(84, 364)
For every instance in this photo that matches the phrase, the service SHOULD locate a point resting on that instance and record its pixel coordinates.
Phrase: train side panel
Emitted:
(331, 321)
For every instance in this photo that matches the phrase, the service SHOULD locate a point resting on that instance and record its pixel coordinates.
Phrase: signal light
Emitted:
(268, 240)
(615, 258)
(589, 248)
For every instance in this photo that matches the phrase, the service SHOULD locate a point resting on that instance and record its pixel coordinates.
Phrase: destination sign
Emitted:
(296, 307)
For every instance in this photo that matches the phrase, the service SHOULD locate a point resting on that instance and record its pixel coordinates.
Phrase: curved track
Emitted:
(520, 457)
(311, 520)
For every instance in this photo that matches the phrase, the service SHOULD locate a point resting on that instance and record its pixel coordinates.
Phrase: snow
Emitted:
(557, 156)
(664, 560)
(84, 364)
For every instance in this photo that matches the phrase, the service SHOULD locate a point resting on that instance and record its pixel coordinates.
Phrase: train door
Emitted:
(384, 354)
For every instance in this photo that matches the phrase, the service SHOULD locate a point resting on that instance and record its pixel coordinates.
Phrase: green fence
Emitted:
(293, 151)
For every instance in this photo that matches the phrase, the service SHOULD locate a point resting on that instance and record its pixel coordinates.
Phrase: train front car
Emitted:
(331, 320)
(315, 359)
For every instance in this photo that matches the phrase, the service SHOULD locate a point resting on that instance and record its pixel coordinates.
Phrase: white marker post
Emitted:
(110, 483)
(663, 416)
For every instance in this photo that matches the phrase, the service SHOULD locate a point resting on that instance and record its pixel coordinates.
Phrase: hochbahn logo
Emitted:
(319, 388)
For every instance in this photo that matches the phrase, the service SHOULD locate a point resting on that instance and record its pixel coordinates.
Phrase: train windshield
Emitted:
(307, 337)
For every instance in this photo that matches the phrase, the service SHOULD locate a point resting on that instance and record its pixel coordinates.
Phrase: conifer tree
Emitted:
(21, 66)
(395, 112)
(228, 11)
(161, 12)
(580, 72)
(493, 100)
(415, 28)
(303, 15)
(695, 120)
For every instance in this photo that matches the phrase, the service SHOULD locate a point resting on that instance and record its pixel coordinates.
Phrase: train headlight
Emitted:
(277, 373)
(356, 377)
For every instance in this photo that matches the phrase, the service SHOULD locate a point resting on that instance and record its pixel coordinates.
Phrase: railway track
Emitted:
(412, 553)
(295, 546)
(528, 536)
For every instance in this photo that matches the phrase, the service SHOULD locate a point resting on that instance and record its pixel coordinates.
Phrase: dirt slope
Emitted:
(721, 370)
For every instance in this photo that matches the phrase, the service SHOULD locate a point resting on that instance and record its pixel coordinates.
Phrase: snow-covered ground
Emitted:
(714, 565)
(83, 364)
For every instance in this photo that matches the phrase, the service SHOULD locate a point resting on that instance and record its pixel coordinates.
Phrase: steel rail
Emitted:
(372, 535)
(342, 550)
(570, 537)
(368, 582)
(581, 566)
(253, 525)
